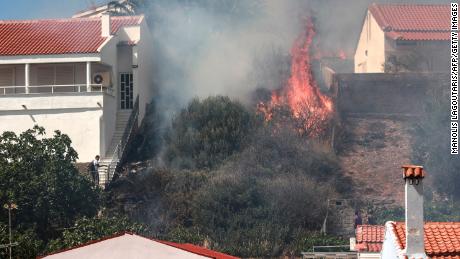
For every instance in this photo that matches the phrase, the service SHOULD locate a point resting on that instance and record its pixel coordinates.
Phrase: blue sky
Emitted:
(35, 9)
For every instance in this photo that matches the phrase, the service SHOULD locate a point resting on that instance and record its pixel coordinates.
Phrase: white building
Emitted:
(416, 35)
(82, 76)
(127, 245)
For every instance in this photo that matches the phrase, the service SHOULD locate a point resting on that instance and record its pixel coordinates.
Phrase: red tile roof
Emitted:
(369, 238)
(58, 36)
(199, 250)
(413, 21)
(442, 239)
(413, 171)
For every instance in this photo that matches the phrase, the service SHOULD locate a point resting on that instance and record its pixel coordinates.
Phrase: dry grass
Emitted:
(374, 150)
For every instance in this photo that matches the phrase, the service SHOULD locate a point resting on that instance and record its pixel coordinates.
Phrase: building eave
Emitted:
(52, 58)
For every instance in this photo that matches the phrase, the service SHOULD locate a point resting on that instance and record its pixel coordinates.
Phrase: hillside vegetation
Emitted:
(234, 182)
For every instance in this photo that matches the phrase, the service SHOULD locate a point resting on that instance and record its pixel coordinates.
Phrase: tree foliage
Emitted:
(207, 132)
(88, 229)
(29, 244)
(38, 174)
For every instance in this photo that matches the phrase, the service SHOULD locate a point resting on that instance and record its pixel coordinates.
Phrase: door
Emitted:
(126, 91)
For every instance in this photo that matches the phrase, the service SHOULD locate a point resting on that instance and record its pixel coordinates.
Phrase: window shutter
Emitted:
(6, 76)
(64, 75)
(45, 75)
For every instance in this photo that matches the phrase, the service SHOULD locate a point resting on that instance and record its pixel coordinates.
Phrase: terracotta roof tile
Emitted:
(199, 250)
(442, 239)
(413, 21)
(413, 171)
(58, 36)
(369, 237)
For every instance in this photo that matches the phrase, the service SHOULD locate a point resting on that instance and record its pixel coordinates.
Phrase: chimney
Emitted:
(413, 176)
(105, 24)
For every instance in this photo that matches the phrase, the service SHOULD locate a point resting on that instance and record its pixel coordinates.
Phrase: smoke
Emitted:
(201, 51)
(231, 47)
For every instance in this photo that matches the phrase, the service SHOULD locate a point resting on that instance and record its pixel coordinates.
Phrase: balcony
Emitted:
(34, 79)
(55, 89)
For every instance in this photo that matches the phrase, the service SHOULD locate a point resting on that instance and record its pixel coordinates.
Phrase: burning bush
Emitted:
(310, 109)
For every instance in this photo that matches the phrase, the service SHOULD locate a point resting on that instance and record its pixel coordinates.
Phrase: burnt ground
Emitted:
(371, 154)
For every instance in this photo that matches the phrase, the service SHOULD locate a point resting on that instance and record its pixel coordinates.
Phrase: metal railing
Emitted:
(120, 149)
(46, 89)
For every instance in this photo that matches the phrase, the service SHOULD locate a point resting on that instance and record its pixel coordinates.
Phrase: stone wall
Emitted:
(379, 93)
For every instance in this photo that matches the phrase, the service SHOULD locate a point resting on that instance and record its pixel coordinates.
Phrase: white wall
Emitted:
(109, 57)
(389, 249)
(122, 59)
(368, 255)
(372, 40)
(77, 115)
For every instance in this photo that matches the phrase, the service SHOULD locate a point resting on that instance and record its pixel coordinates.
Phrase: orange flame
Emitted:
(301, 93)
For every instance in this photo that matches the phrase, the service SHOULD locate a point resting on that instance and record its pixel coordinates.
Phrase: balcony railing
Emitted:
(46, 89)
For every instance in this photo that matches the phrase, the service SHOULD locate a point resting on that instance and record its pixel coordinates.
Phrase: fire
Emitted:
(311, 109)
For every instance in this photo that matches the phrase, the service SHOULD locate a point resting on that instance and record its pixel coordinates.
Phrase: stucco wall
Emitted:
(109, 57)
(77, 115)
(389, 250)
(370, 52)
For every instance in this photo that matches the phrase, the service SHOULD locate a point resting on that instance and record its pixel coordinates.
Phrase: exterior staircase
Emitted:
(125, 125)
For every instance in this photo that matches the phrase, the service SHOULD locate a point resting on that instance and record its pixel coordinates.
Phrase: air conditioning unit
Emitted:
(101, 78)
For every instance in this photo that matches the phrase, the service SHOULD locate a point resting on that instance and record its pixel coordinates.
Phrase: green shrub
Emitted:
(206, 132)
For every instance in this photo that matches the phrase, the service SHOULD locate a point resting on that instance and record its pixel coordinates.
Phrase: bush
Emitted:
(160, 198)
(207, 132)
(259, 200)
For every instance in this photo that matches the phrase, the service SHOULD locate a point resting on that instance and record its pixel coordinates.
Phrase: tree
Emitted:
(29, 245)
(88, 229)
(39, 175)
(206, 132)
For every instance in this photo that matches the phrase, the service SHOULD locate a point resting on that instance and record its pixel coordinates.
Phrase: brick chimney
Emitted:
(413, 176)
(105, 24)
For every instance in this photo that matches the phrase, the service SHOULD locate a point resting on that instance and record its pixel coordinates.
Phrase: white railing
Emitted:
(43, 89)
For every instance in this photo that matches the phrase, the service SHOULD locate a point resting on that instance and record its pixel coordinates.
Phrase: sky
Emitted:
(36, 9)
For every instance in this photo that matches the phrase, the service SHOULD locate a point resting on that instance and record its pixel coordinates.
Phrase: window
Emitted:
(126, 90)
